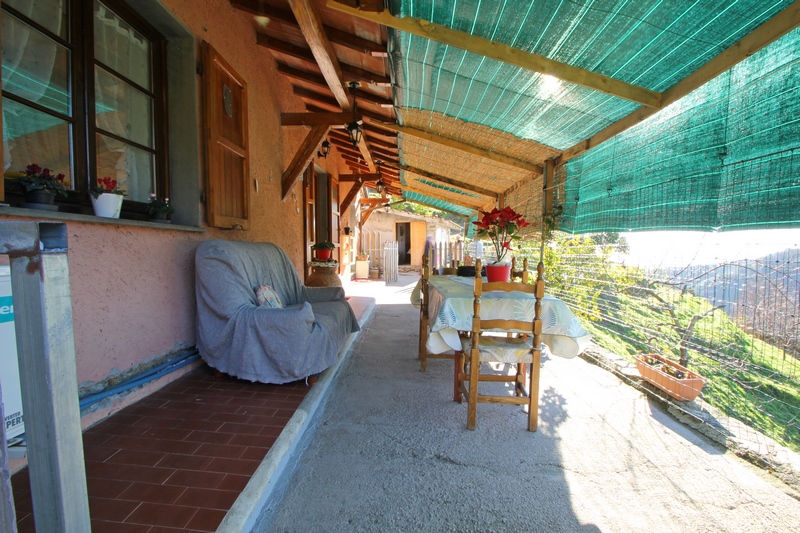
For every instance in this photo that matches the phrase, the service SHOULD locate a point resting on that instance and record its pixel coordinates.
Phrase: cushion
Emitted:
(266, 295)
(502, 349)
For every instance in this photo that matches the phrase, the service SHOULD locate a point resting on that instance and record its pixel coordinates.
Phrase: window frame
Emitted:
(80, 14)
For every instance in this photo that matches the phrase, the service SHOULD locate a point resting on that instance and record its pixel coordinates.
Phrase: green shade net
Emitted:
(655, 44)
(726, 156)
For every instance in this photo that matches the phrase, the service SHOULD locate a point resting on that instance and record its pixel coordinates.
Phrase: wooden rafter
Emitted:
(348, 199)
(350, 72)
(771, 30)
(303, 155)
(360, 178)
(336, 36)
(507, 54)
(467, 201)
(464, 147)
(311, 25)
(445, 180)
(317, 119)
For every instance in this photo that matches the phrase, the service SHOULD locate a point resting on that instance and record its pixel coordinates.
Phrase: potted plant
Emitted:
(501, 226)
(40, 186)
(159, 210)
(669, 376)
(107, 198)
(323, 250)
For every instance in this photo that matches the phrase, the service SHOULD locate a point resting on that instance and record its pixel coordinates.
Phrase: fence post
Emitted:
(46, 346)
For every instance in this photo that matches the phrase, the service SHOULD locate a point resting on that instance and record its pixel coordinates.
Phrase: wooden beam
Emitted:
(335, 35)
(311, 25)
(464, 147)
(445, 180)
(770, 31)
(366, 113)
(468, 201)
(301, 159)
(317, 119)
(348, 199)
(359, 178)
(303, 76)
(350, 72)
(507, 54)
(436, 207)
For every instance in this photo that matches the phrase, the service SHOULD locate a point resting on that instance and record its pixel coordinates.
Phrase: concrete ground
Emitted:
(390, 452)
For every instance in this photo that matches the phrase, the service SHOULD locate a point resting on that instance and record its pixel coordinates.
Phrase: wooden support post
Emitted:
(43, 322)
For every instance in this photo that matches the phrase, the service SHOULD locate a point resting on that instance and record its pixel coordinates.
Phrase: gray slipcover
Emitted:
(259, 343)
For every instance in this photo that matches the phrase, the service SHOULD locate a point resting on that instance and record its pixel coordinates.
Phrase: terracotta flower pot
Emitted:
(674, 379)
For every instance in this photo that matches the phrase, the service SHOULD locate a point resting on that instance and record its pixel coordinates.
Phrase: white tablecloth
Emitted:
(450, 301)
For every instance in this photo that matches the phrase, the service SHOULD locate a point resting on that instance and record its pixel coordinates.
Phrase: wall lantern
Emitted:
(354, 130)
(324, 150)
(379, 186)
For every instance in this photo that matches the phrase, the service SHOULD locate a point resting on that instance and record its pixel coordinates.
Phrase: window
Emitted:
(86, 104)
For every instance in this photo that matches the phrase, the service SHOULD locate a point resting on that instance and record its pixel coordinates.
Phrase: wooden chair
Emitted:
(522, 275)
(424, 321)
(520, 350)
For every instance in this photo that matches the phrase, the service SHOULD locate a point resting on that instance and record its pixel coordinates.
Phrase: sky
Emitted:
(680, 248)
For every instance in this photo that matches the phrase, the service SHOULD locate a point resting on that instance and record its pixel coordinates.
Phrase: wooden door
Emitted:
(418, 237)
(227, 156)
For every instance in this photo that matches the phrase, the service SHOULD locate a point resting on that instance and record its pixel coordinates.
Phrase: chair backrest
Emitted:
(522, 275)
(533, 326)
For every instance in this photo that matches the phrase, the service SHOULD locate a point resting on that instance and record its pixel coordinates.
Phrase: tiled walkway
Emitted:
(178, 459)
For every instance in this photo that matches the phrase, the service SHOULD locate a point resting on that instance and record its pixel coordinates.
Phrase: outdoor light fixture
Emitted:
(354, 130)
(325, 149)
(379, 186)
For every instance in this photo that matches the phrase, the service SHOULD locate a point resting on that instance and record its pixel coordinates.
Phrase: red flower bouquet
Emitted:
(501, 226)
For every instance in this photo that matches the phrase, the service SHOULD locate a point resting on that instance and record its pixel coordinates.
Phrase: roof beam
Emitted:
(507, 54)
(464, 147)
(314, 33)
(317, 119)
(360, 178)
(445, 180)
(770, 31)
(336, 36)
(301, 159)
(350, 72)
(472, 203)
(351, 195)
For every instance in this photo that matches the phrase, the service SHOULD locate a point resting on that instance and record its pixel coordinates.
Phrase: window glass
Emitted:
(35, 67)
(132, 167)
(51, 14)
(120, 47)
(122, 110)
(30, 136)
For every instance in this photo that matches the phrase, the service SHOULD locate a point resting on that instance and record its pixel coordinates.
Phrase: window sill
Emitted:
(91, 219)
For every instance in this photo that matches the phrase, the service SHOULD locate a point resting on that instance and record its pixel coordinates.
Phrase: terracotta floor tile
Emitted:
(206, 519)
(193, 478)
(233, 482)
(210, 437)
(233, 466)
(220, 450)
(110, 488)
(178, 459)
(102, 526)
(259, 441)
(208, 498)
(200, 425)
(162, 515)
(241, 429)
(185, 462)
(152, 493)
(110, 509)
(136, 457)
(144, 475)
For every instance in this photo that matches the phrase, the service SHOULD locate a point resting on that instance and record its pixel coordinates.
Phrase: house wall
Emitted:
(132, 284)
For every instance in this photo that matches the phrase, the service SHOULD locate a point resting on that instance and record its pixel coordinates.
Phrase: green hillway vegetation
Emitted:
(627, 313)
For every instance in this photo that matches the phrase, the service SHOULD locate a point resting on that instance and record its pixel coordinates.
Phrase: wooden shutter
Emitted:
(227, 159)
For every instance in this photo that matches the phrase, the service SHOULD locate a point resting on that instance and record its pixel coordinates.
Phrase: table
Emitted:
(324, 274)
(450, 300)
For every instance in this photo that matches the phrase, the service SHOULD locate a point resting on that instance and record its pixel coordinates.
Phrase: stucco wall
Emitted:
(133, 287)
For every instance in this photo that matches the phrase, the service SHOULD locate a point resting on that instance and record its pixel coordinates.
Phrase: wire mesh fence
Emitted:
(728, 313)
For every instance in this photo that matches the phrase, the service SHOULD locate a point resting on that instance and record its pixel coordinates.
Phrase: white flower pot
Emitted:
(107, 205)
